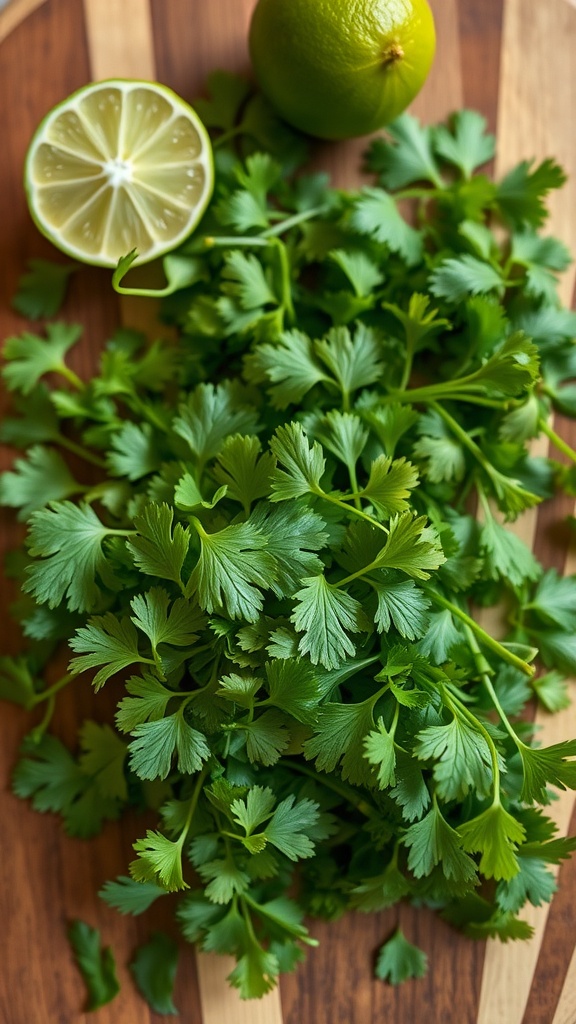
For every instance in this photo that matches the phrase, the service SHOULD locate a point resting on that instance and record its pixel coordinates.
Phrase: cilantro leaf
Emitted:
(552, 691)
(97, 965)
(293, 687)
(244, 469)
(231, 567)
(135, 451)
(399, 960)
(379, 750)
(465, 144)
(288, 827)
(154, 971)
(227, 93)
(433, 841)
(339, 737)
(409, 158)
(354, 360)
(163, 624)
(290, 365)
(325, 615)
(305, 465)
(67, 539)
(130, 897)
(30, 356)
(554, 600)
(158, 550)
(103, 755)
(16, 681)
(37, 480)
(533, 883)
(496, 835)
(458, 277)
(376, 214)
(147, 700)
(389, 485)
(402, 605)
(294, 534)
(461, 758)
(521, 193)
(160, 861)
(156, 742)
(412, 547)
(266, 737)
(364, 275)
(107, 642)
(544, 766)
(256, 971)
(209, 415)
(505, 555)
(42, 289)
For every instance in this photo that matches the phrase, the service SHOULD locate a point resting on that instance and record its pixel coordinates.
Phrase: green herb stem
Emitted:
(556, 440)
(51, 691)
(481, 634)
(328, 783)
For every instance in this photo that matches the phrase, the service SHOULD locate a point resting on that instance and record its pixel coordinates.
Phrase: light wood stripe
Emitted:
(221, 1004)
(537, 50)
(121, 45)
(566, 1009)
(536, 112)
(15, 13)
(443, 92)
(120, 40)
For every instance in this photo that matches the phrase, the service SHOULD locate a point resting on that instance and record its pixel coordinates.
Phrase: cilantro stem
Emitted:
(232, 133)
(446, 390)
(51, 691)
(78, 449)
(234, 241)
(481, 634)
(556, 440)
(462, 436)
(286, 287)
(502, 714)
(39, 730)
(70, 376)
(351, 508)
(192, 807)
(292, 222)
(336, 787)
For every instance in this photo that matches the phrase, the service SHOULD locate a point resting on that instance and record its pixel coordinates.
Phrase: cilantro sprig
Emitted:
(263, 538)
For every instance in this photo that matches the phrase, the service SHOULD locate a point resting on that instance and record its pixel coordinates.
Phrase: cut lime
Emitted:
(119, 165)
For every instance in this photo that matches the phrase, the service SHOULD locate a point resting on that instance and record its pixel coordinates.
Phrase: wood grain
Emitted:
(511, 59)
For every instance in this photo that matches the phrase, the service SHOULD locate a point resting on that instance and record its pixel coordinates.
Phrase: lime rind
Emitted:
(120, 164)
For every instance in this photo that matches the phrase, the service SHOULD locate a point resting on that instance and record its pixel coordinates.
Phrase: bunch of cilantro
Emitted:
(274, 533)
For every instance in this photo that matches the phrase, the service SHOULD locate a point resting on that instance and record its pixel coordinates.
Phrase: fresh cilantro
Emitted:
(42, 290)
(398, 960)
(261, 525)
(29, 356)
(97, 965)
(154, 971)
(128, 896)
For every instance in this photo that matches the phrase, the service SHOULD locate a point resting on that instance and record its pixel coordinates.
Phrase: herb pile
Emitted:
(266, 536)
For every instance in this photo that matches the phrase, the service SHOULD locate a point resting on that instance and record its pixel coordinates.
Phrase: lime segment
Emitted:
(119, 165)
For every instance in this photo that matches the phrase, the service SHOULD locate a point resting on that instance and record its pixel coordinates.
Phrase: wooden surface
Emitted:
(514, 61)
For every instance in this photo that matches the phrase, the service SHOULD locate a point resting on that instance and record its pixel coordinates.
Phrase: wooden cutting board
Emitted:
(514, 61)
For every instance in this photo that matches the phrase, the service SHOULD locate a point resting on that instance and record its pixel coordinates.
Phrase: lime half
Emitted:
(119, 165)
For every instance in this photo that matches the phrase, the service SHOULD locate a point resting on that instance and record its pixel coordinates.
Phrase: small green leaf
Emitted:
(154, 971)
(97, 965)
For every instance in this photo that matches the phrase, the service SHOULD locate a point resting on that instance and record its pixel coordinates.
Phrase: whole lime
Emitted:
(341, 68)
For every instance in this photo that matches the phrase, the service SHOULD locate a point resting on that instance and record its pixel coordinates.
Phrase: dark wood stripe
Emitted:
(557, 948)
(480, 39)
